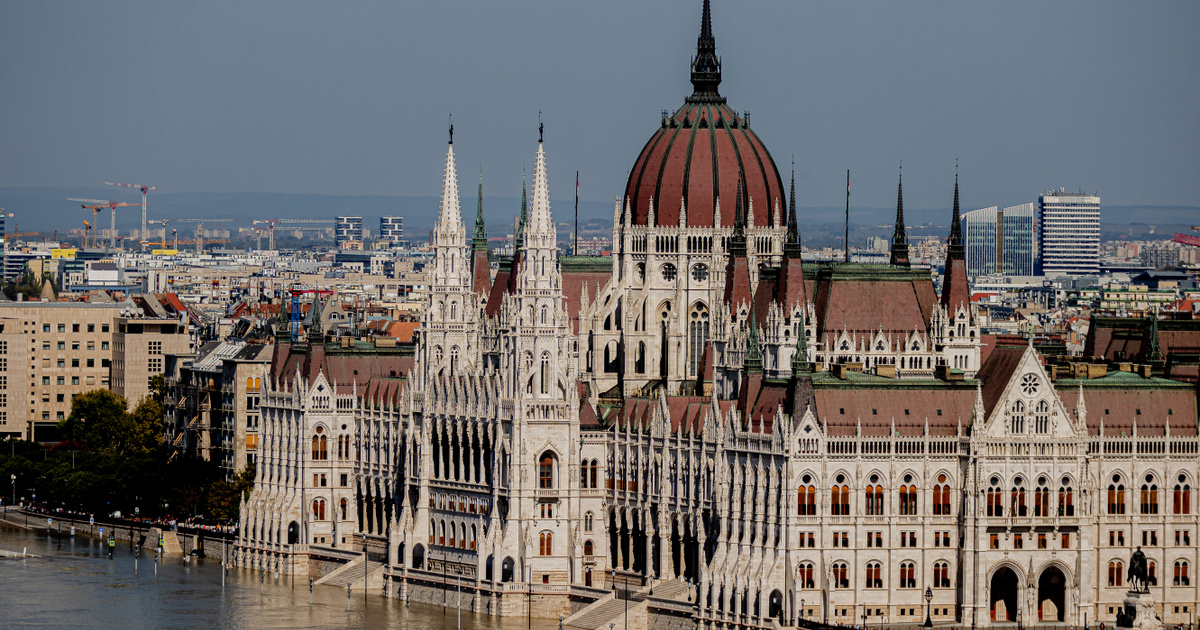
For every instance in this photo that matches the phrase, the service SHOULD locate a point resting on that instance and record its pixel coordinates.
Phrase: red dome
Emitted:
(696, 155)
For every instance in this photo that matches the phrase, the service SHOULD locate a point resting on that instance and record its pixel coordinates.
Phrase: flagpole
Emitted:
(575, 244)
(847, 243)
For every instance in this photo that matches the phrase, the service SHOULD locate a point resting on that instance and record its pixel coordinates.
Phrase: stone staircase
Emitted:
(676, 590)
(352, 574)
(598, 614)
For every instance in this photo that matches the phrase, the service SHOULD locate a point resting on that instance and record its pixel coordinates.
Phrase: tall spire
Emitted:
(541, 223)
(900, 234)
(706, 66)
(519, 237)
(753, 361)
(737, 242)
(956, 250)
(792, 240)
(450, 216)
(479, 238)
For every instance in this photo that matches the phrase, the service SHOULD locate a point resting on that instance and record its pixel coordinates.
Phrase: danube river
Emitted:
(73, 584)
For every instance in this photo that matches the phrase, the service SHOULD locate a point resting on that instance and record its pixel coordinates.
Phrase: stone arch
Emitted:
(1004, 590)
(1052, 593)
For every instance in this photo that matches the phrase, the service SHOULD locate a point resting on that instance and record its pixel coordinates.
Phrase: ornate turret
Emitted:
(955, 293)
(706, 66)
(737, 273)
(790, 291)
(900, 235)
(479, 258)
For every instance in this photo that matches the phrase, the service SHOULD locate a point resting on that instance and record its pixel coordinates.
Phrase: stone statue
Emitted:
(1138, 572)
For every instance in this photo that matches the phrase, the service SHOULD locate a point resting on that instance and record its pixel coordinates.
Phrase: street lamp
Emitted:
(801, 611)
(928, 599)
(14, 484)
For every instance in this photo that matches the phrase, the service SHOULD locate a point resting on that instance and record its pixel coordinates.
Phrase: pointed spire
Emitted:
(956, 251)
(900, 234)
(737, 242)
(800, 364)
(519, 237)
(706, 67)
(450, 215)
(480, 235)
(316, 334)
(1155, 353)
(541, 222)
(791, 243)
(283, 321)
(753, 361)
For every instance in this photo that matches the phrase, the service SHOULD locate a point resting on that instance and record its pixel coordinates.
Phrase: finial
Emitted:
(451, 128)
(541, 126)
(706, 67)
(793, 229)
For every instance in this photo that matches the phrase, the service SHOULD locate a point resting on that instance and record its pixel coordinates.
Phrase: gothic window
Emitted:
(1116, 573)
(1030, 384)
(806, 576)
(874, 576)
(453, 311)
(320, 445)
(342, 507)
(1066, 498)
(941, 575)
(1149, 496)
(840, 503)
(995, 499)
(442, 533)
(546, 471)
(437, 355)
(807, 501)
(640, 270)
(453, 359)
(1116, 496)
(587, 522)
(1182, 498)
(697, 337)
(908, 500)
(594, 474)
(452, 538)
(546, 544)
(908, 575)
(700, 273)
(1181, 574)
(1041, 499)
(1017, 506)
(318, 509)
(874, 500)
(668, 272)
(1041, 418)
(941, 497)
(841, 575)
(545, 314)
(1018, 417)
(546, 373)
(588, 548)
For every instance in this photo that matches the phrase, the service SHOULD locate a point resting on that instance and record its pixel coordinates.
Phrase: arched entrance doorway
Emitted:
(1051, 595)
(506, 570)
(1002, 598)
(293, 533)
(775, 606)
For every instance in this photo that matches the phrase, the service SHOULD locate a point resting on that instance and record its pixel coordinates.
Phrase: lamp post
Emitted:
(928, 599)
(801, 611)
(14, 485)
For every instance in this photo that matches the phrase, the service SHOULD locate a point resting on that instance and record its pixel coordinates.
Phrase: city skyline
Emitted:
(332, 101)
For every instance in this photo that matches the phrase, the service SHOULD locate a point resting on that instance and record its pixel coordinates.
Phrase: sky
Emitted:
(354, 98)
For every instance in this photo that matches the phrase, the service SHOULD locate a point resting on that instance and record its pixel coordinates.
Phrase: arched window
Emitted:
(1116, 574)
(840, 503)
(1116, 497)
(908, 575)
(320, 445)
(1181, 574)
(1066, 498)
(453, 359)
(474, 534)
(874, 500)
(697, 337)
(545, 314)
(588, 548)
(841, 575)
(908, 500)
(1149, 496)
(1041, 499)
(995, 498)
(451, 534)
(1041, 418)
(546, 373)
(806, 503)
(546, 471)
(319, 509)
(453, 311)
(941, 575)
(442, 533)
(595, 474)
(587, 522)
(1017, 506)
(546, 544)
(874, 576)
(1182, 498)
(941, 497)
(806, 576)
(1018, 417)
(342, 507)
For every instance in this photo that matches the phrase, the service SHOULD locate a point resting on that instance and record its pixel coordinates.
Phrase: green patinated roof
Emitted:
(856, 271)
(861, 379)
(585, 263)
(1122, 380)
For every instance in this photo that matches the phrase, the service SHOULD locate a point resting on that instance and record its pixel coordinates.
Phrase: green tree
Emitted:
(99, 421)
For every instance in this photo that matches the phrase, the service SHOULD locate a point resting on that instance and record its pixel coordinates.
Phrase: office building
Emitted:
(1000, 242)
(1069, 233)
(347, 230)
(391, 229)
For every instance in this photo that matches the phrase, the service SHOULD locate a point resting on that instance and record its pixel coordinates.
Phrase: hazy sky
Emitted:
(353, 97)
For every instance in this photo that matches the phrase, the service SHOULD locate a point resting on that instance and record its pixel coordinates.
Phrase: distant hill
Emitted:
(46, 209)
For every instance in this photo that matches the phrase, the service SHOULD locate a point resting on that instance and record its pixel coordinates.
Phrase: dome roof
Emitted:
(696, 156)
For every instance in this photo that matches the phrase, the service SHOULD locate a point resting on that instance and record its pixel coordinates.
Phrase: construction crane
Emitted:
(199, 240)
(143, 189)
(296, 293)
(270, 223)
(1186, 239)
(95, 205)
(87, 229)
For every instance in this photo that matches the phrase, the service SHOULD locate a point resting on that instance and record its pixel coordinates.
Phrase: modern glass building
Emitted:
(1000, 242)
(391, 229)
(1070, 233)
(347, 229)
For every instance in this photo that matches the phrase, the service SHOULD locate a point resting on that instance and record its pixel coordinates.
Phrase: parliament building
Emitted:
(716, 430)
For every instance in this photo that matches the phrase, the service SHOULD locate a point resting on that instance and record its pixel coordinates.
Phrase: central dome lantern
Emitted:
(697, 154)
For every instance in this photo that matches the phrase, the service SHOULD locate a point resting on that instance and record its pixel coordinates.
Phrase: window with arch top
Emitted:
(908, 498)
(1181, 500)
(840, 503)
(320, 445)
(941, 497)
(1116, 496)
(874, 498)
(1149, 496)
(1066, 498)
(546, 471)
(546, 544)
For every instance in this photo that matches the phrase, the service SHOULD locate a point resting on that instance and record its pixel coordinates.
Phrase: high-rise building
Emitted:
(1000, 241)
(347, 229)
(391, 229)
(1070, 233)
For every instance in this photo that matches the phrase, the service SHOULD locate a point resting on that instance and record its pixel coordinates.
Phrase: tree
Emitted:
(100, 422)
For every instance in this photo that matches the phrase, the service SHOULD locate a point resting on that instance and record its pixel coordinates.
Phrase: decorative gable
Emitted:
(1029, 407)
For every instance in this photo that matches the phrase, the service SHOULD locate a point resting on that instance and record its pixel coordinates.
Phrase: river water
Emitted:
(73, 584)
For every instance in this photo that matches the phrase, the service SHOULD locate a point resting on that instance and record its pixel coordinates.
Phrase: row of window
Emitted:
(91, 345)
(1181, 499)
(318, 509)
(62, 328)
(873, 576)
(1116, 573)
(1018, 541)
(873, 503)
(1116, 538)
